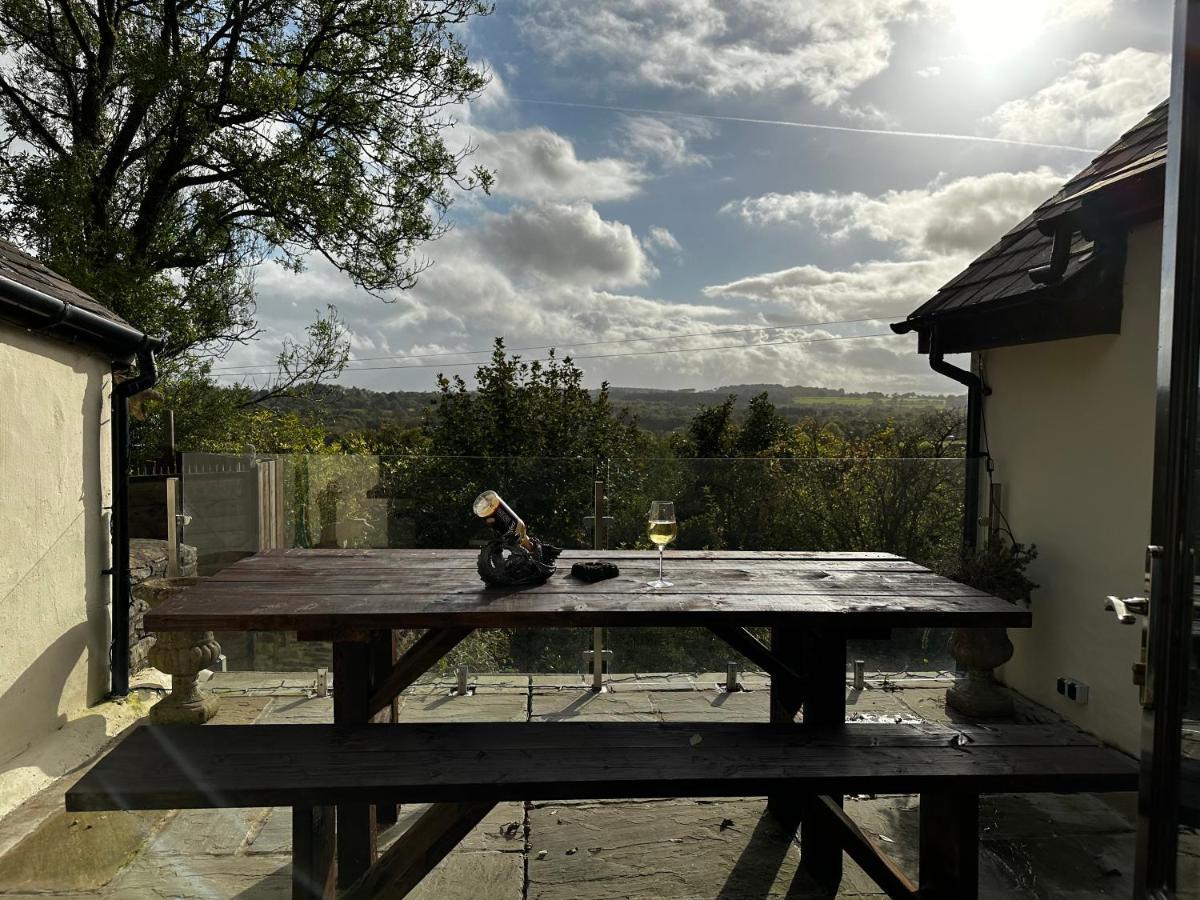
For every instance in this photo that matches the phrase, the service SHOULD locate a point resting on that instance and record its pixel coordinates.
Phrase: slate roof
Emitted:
(1002, 273)
(24, 269)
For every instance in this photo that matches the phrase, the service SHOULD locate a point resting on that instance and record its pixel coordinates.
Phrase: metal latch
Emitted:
(1139, 674)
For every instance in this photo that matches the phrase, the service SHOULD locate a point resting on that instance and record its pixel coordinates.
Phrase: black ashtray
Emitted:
(594, 571)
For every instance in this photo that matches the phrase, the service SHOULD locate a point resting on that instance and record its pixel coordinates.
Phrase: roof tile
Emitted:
(1002, 271)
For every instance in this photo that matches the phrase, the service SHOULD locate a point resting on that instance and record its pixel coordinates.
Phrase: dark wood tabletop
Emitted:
(352, 590)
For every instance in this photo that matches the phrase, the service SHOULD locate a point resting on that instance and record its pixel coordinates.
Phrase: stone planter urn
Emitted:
(182, 655)
(979, 651)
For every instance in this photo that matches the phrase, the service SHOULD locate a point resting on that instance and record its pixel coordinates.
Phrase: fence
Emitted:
(237, 505)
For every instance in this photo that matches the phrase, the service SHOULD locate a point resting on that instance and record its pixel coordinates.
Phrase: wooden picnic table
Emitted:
(357, 599)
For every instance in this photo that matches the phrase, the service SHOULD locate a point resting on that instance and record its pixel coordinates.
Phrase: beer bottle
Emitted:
(491, 507)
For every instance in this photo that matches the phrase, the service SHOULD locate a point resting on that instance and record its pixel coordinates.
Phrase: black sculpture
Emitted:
(512, 558)
(505, 563)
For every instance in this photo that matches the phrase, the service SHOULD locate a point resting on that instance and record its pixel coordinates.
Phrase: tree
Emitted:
(209, 417)
(897, 488)
(157, 150)
(711, 434)
(533, 432)
(762, 428)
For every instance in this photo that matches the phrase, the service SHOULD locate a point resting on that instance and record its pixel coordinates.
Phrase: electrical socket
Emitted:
(1073, 689)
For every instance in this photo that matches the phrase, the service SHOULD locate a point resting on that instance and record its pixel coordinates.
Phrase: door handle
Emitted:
(1128, 609)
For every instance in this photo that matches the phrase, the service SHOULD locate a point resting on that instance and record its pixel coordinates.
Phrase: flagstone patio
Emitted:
(1052, 846)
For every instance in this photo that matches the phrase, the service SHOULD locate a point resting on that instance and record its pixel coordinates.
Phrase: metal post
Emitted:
(172, 490)
(597, 660)
(599, 542)
(731, 677)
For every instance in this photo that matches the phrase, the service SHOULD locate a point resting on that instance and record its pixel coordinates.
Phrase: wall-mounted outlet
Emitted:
(1073, 689)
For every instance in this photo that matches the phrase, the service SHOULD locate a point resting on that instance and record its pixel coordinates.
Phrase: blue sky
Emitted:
(673, 231)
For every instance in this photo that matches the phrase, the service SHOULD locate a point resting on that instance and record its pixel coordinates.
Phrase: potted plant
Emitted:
(997, 569)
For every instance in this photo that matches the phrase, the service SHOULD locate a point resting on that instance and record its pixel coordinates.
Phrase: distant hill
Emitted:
(660, 411)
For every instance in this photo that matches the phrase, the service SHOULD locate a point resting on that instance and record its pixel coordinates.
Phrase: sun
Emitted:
(993, 30)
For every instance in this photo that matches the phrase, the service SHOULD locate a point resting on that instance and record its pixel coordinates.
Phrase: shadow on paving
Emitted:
(1043, 846)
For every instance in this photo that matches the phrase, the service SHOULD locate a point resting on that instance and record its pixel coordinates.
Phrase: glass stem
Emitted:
(660, 556)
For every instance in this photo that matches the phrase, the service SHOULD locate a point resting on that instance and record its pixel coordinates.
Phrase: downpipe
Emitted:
(976, 391)
(122, 589)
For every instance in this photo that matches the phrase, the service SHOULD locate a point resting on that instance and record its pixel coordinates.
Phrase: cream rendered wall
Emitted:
(1071, 428)
(54, 489)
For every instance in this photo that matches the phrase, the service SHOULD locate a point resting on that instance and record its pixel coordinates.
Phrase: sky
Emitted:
(697, 193)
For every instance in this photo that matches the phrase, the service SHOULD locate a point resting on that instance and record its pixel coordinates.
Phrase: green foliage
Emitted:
(352, 409)
(742, 477)
(154, 152)
(998, 568)
(760, 483)
(521, 409)
(221, 420)
(530, 431)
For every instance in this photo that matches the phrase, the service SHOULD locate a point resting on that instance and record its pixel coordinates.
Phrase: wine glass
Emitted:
(661, 527)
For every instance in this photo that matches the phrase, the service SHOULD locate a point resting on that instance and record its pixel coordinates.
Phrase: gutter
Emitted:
(976, 391)
(123, 344)
(31, 309)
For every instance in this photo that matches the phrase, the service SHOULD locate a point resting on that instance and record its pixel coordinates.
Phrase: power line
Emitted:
(848, 337)
(816, 126)
(665, 337)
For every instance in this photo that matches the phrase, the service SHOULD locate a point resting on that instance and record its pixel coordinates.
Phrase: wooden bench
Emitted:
(466, 768)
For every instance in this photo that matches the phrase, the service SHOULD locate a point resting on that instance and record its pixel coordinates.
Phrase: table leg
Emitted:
(351, 704)
(312, 853)
(949, 862)
(824, 665)
(786, 700)
(384, 653)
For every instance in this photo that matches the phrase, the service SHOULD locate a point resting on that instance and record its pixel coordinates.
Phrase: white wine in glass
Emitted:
(661, 528)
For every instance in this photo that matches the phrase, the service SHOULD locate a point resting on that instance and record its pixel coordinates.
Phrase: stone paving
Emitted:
(1045, 846)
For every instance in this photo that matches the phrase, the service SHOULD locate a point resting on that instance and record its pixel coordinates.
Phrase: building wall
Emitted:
(1071, 428)
(54, 534)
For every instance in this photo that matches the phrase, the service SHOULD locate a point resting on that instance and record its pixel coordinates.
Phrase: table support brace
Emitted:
(878, 866)
(415, 662)
(425, 844)
(744, 642)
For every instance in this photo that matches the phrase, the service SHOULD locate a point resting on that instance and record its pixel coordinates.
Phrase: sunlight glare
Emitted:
(992, 31)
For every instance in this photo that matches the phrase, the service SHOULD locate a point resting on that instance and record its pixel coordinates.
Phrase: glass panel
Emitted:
(1188, 852)
(239, 504)
(911, 507)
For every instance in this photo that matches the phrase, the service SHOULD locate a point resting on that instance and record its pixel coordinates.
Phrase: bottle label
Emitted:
(503, 522)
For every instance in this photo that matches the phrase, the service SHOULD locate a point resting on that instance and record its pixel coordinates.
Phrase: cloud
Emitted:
(568, 243)
(882, 289)
(724, 49)
(479, 289)
(963, 215)
(660, 240)
(537, 164)
(495, 95)
(665, 142)
(1092, 103)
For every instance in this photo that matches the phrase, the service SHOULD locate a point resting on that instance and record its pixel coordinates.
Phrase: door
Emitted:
(1168, 852)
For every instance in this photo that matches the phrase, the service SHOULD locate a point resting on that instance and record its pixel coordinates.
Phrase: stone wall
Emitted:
(273, 651)
(148, 559)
